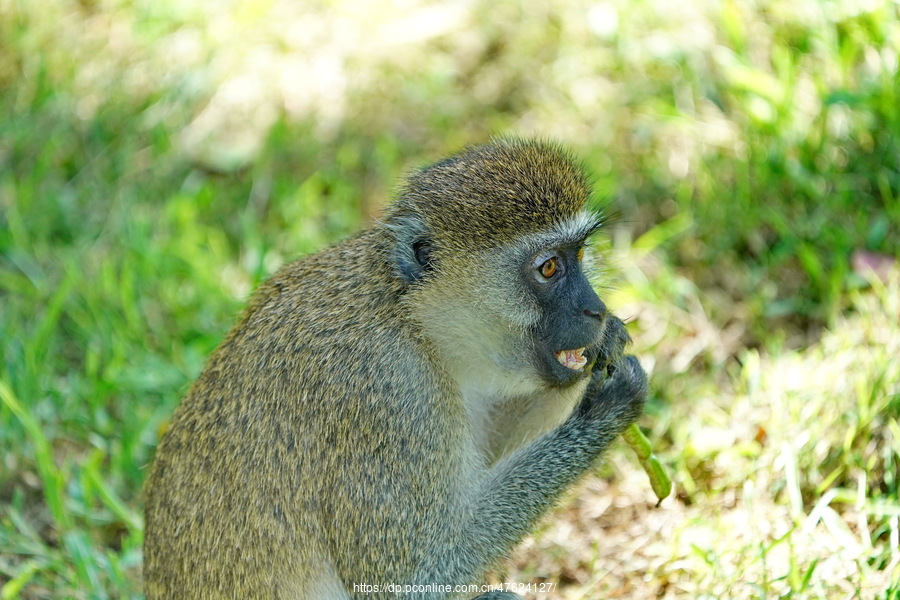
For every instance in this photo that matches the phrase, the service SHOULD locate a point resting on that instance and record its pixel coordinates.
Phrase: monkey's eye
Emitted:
(549, 267)
(580, 253)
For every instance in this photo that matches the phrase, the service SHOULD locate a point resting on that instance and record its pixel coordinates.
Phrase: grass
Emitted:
(159, 160)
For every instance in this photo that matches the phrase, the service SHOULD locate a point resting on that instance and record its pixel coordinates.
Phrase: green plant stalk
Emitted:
(659, 479)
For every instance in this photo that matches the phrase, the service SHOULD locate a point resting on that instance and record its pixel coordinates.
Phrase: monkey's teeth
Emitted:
(572, 359)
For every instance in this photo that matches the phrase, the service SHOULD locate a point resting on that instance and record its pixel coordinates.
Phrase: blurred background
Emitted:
(158, 159)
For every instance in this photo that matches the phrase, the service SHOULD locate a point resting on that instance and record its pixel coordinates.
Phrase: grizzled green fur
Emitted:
(335, 438)
(501, 192)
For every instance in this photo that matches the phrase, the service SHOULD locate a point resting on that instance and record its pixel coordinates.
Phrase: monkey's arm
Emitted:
(518, 489)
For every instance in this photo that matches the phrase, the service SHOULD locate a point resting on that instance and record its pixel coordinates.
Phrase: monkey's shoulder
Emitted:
(316, 321)
(339, 288)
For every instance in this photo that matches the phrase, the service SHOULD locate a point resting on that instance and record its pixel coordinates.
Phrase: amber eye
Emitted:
(580, 254)
(548, 268)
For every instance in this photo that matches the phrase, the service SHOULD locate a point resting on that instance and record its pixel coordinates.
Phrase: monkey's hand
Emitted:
(612, 347)
(614, 398)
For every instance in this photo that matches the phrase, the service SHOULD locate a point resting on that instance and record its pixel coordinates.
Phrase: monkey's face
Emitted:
(567, 337)
(515, 318)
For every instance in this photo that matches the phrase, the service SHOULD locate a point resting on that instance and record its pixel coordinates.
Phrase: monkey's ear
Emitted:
(412, 252)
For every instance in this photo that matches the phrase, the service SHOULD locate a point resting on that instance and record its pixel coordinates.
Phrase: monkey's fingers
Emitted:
(659, 479)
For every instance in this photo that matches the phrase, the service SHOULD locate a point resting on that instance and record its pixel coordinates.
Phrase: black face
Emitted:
(567, 339)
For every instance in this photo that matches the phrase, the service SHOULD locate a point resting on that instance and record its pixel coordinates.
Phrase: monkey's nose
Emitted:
(595, 310)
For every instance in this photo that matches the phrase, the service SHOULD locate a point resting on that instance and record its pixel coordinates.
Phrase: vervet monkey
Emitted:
(399, 410)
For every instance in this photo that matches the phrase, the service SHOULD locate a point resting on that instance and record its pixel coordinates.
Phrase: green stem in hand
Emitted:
(659, 479)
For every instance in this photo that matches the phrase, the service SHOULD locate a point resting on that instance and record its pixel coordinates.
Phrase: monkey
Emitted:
(390, 416)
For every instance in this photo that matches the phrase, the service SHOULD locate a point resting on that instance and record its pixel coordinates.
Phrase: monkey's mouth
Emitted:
(572, 359)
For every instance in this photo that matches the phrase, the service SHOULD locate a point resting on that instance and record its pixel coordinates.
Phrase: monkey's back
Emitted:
(283, 421)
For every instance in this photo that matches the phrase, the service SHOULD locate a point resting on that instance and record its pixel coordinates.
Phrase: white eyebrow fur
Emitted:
(570, 231)
(578, 226)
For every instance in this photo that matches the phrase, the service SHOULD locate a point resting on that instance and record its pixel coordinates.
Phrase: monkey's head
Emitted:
(490, 241)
